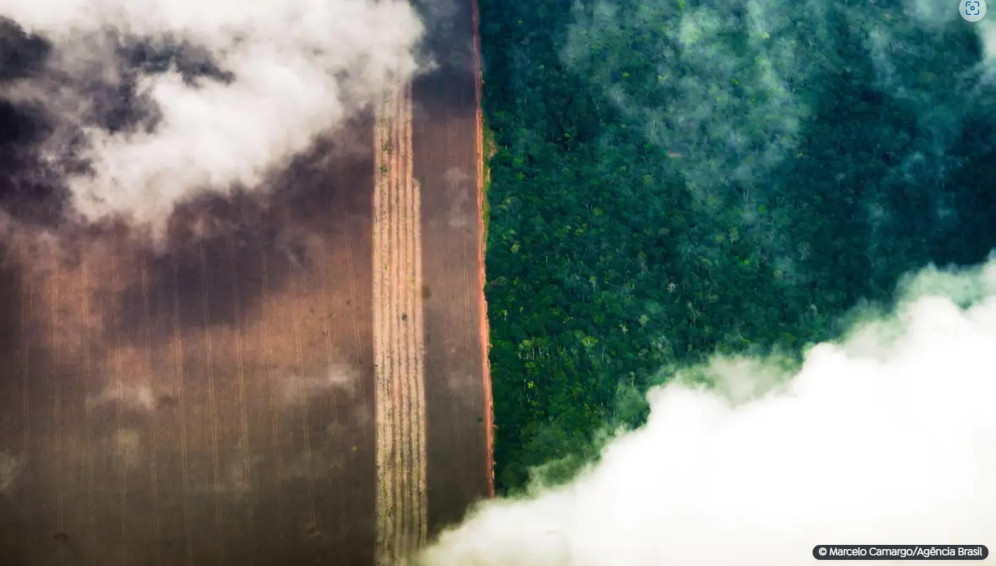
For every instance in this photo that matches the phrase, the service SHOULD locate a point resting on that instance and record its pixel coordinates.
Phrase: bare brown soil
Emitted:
(229, 400)
(210, 406)
(447, 165)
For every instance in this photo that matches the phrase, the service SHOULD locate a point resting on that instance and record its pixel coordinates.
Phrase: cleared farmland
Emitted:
(293, 379)
(399, 343)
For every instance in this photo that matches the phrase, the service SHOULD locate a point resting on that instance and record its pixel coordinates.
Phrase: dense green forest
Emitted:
(675, 178)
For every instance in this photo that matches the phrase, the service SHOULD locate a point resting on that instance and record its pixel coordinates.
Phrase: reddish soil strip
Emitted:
(485, 333)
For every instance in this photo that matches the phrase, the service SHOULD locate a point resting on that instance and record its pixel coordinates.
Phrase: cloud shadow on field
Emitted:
(319, 198)
(10, 315)
(448, 89)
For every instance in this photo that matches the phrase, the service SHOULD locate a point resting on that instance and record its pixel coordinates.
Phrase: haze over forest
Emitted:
(740, 281)
(676, 179)
(697, 192)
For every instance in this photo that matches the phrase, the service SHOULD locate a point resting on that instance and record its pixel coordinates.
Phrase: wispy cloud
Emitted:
(146, 103)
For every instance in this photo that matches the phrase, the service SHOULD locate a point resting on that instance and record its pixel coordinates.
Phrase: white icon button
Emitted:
(972, 10)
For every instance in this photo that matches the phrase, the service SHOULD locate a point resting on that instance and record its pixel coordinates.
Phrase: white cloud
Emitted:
(300, 68)
(884, 438)
(138, 397)
(297, 390)
(10, 471)
(128, 448)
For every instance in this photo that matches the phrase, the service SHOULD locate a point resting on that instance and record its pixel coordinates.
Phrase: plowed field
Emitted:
(298, 381)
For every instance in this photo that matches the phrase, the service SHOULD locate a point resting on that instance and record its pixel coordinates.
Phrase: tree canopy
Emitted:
(672, 179)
